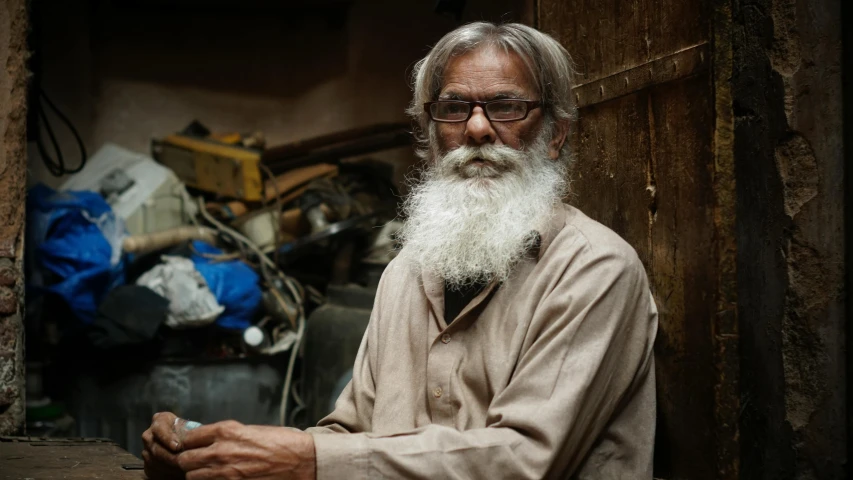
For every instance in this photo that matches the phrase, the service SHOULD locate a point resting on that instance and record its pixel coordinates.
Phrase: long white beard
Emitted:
(472, 224)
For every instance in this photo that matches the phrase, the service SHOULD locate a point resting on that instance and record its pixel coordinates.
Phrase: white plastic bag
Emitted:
(191, 303)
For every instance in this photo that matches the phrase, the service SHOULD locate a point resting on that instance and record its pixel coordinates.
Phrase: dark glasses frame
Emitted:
(531, 105)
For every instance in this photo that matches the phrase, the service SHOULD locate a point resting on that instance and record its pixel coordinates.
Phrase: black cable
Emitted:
(56, 167)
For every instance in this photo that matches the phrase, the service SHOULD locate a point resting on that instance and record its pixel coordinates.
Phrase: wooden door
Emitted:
(653, 161)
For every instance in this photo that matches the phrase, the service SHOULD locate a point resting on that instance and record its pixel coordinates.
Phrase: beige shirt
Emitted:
(548, 375)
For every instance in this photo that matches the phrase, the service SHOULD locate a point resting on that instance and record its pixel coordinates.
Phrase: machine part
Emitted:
(332, 338)
(333, 147)
(228, 170)
(153, 201)
(289, 186)
(332, 230)
(260, 227)
(280, 307)
(286, 182)
(317, 218)
(293, 223)
(152, 242)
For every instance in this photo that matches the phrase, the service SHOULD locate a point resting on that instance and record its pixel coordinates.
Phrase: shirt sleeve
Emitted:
(588, 350)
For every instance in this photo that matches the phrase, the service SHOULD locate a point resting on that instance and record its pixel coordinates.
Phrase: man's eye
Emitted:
(506, 107)
(455, 108)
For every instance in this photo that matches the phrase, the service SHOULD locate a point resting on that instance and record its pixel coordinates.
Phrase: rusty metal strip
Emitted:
(682, 64)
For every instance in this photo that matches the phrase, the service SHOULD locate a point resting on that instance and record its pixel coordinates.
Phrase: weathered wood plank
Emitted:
(650, 129)
(49, 459)
(645, 168)
(684, 275)
(608, 36)
(609, 178)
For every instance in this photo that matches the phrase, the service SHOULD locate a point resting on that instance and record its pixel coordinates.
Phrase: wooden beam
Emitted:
(683, 64)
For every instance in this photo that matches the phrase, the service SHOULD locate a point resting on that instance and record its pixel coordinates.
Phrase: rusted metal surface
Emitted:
(654, 162)
(23, 458)
(13, 114)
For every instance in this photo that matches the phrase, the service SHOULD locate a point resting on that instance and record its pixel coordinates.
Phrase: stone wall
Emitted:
(13, 107)
(789, 157)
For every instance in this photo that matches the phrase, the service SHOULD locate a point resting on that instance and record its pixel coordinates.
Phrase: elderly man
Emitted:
(511, 337)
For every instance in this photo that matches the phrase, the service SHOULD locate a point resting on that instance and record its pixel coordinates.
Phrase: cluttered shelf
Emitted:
(182, 280)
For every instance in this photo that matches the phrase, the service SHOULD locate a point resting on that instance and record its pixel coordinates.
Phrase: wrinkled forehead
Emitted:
(486, 72)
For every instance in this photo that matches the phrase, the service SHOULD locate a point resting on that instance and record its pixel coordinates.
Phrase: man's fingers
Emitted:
(147, 437)
(162, 427)
(195, 459)
(202, 436)
(162, 455)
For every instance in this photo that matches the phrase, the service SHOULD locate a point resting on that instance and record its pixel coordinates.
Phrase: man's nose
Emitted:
(478, 130)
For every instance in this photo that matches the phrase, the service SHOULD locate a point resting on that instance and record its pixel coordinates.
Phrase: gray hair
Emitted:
(549, 63)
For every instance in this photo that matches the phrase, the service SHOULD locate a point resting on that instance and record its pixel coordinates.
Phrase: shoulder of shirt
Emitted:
(399, 269)
(584, 236)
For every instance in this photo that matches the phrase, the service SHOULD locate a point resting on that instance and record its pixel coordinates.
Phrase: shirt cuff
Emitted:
(341, 455)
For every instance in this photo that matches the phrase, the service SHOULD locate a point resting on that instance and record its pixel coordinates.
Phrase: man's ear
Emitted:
(561, 130)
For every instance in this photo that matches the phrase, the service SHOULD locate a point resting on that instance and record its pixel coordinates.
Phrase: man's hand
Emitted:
(231, 451)
(161, 448)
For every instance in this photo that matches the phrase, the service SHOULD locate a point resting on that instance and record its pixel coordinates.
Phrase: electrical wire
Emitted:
(285, 391)
(295, 290)
(278, 209)
(56, 166)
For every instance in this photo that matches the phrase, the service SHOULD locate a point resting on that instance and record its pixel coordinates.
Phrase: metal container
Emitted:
(332, 337)
(246, 390)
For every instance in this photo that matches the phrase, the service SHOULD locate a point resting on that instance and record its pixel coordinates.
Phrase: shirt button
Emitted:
(437, 392)
(445, 338)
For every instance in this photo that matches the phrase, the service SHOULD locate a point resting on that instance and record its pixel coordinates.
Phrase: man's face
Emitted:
(481, 75)
(491, 184)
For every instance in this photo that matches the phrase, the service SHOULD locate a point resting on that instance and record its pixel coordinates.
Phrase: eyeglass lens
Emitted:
(499, 110)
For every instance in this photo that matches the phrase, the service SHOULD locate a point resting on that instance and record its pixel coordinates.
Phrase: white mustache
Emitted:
(500, 159)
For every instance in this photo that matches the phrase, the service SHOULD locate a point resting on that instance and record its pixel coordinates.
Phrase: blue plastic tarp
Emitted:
(77, 240)
(235, 285)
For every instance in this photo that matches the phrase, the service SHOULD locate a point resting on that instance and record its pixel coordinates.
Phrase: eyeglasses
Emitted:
(455, 111)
